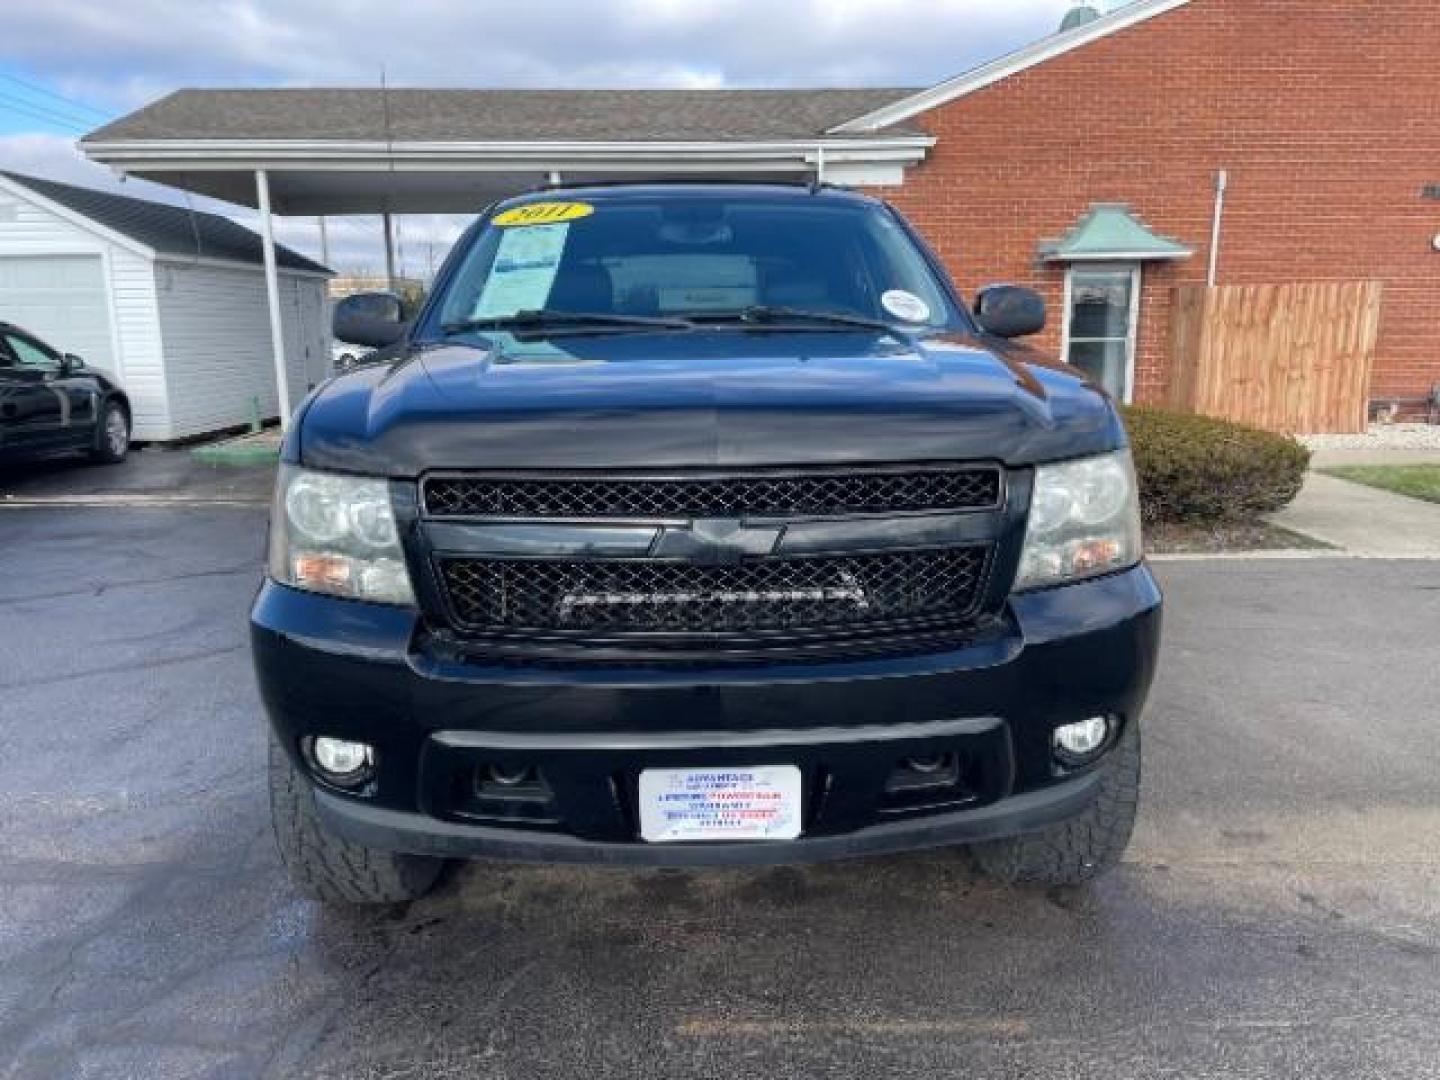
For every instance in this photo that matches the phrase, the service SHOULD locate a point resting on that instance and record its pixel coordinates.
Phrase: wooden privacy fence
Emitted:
(1292, 358)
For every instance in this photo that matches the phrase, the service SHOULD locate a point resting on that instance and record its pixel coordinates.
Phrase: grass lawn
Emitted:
(1417, 481)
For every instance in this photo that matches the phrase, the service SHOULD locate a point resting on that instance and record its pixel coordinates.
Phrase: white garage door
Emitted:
(61, 300)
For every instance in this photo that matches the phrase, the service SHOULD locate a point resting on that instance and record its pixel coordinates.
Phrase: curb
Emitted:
(237, 452)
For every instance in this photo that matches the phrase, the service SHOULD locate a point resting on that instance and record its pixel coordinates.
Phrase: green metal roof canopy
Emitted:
(1111, 232)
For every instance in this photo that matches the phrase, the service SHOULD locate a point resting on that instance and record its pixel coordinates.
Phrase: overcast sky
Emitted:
(67, 66)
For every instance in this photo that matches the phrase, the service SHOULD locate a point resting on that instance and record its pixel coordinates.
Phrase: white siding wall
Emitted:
(30, 229)
(137, 322)
(215, 329)
(307, 333)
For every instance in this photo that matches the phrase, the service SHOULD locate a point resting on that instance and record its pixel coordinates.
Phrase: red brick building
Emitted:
(1323, 115)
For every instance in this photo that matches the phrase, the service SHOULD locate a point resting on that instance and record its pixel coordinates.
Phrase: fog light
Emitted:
(1077, 743)
(340, 761)
(509, 777)
(926, 764)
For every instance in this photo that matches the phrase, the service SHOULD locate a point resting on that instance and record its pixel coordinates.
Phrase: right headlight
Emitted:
(336, 534)
(1084, 521)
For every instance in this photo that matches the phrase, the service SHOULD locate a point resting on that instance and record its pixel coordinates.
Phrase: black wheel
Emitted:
(328, 868)
(112, 434)
(1085, 847)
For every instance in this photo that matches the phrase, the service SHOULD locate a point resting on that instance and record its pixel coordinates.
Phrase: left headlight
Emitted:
(1084, 521)
(336, 534)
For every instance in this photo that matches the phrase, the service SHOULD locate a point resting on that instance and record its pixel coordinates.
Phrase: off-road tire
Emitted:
(328, 868)
(1083, 848)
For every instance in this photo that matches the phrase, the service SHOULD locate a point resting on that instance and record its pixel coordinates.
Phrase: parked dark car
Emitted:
(52, 403)
(701, 525)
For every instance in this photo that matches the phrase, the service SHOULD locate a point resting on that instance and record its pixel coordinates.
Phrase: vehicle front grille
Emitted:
(830, 594)
(760, 494)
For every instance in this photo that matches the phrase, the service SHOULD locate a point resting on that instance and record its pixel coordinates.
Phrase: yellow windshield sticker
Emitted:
(543, 213)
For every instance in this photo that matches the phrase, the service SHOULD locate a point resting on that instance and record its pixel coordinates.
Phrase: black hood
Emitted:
(687, 399)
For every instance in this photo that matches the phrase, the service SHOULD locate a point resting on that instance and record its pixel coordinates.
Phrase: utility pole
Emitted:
(389, 252)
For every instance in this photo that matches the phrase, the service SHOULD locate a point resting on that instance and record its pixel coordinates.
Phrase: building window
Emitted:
(1102, 309)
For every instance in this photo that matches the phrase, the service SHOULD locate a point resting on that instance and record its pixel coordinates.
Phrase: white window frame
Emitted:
(1137, 280)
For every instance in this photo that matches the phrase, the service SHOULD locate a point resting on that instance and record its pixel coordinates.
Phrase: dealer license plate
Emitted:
(720, 804)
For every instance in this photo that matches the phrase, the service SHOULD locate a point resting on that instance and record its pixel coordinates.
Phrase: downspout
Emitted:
(819, 164)
(1222, 184)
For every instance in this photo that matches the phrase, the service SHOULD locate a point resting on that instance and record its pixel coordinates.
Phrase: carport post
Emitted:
(272, 295)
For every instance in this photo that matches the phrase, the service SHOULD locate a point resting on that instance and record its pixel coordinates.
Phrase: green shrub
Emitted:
(1196, 469)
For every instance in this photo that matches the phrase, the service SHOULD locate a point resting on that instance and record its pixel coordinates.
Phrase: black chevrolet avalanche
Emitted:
(701, 525)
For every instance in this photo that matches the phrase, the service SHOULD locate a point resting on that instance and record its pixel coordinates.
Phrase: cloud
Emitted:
(119, 57)
(51, 156)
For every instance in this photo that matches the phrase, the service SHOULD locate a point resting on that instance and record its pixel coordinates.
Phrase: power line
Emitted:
(35, 112)
(102, 114)
(68, 126)
(60, 111)
(48, 111)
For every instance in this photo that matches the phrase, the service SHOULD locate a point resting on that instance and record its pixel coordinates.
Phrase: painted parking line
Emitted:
(127, 502)
(1297, 555)
(1003, 1026)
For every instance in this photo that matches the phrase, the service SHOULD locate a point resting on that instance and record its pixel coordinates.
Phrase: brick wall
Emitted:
(1325, 112)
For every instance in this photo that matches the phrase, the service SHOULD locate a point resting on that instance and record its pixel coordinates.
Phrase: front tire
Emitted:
(112, 434)
(329, 868)
(1083, 848)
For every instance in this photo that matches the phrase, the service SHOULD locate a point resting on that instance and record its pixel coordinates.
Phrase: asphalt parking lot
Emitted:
(1278, 915)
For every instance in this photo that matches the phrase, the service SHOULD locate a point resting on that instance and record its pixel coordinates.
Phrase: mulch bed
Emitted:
(1220, 539)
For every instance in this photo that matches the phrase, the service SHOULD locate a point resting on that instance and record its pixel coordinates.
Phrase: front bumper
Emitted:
(372, 674)
(395, 830)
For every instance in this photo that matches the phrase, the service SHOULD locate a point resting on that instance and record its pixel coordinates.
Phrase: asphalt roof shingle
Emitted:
(169, 230)
(450, 115)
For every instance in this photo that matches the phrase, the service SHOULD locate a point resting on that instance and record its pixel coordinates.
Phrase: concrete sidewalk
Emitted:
(1362, 520)
(1341, 456)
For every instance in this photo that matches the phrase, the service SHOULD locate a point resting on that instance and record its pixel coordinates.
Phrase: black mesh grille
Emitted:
(828, 593)
(816, 494)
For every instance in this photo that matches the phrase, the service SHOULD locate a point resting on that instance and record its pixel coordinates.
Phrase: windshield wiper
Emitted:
(546, 319)
(764, 315)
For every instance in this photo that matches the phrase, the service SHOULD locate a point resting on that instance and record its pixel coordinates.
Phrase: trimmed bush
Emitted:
(1196, 469)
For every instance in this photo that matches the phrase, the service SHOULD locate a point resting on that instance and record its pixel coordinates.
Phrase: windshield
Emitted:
(698, 257)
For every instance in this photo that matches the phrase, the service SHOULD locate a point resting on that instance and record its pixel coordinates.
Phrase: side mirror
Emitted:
(70, 362)
(369, 319)
(1010, 311)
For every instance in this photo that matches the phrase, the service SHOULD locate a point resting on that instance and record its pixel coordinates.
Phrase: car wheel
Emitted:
(112, 434)
(327, 867)
(1083, 848)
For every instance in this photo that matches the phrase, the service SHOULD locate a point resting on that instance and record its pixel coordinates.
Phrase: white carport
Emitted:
(406, 151)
